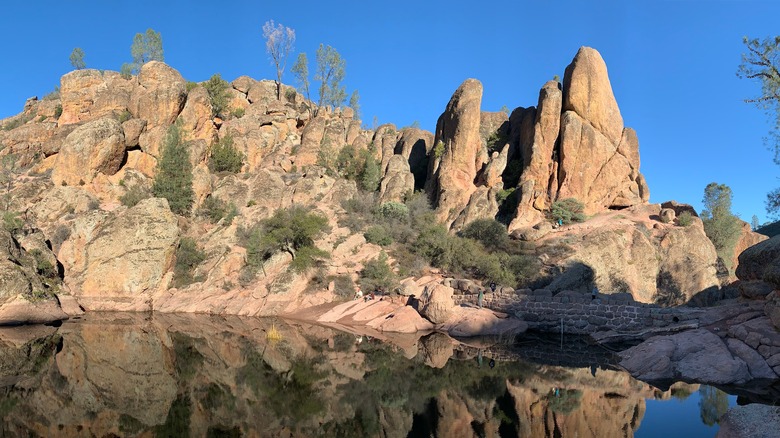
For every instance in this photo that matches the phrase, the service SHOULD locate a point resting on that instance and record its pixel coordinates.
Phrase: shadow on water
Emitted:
(181, 375)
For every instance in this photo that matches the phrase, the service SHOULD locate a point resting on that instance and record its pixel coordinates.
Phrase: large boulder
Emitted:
(117, 263)
(456, 168)
(667, 263)
(91, 94)
(694, 355)
(196, 117)
(159, 95)
(398, 181)
(438, 305)
(747, 238)
(95, 147)
(761, 262)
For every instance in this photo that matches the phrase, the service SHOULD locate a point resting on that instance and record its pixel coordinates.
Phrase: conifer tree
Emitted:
(173, 180)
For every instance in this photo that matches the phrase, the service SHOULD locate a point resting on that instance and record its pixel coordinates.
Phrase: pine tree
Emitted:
(173, 180)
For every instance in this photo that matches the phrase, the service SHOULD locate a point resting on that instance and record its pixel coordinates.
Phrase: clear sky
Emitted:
(672, 64)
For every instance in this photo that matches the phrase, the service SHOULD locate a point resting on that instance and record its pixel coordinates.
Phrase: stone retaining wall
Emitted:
(580, 313)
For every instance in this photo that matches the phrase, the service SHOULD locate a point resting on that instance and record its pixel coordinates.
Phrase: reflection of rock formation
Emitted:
(134, 375)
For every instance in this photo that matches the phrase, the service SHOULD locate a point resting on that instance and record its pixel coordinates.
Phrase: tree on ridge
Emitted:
(279, 42)
(77, 59)
(761, 62)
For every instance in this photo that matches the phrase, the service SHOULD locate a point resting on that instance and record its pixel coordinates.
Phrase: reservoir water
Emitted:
(142, 375)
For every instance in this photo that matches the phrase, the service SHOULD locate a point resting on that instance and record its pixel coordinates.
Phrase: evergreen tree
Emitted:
(77, 59)
(146, 47)
(721, 226)
(173, 180)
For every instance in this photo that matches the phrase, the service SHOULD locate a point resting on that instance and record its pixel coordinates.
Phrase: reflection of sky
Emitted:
(675, 417)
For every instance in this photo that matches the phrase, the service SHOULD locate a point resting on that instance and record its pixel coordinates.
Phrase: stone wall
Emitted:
(581, 314)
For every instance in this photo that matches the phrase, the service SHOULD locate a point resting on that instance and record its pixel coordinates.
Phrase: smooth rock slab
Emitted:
(694, 355)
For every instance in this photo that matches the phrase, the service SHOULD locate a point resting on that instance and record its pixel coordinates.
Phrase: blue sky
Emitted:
(672, 64)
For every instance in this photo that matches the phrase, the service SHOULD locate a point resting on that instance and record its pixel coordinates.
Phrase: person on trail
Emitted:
(594, 293)
(480, 297)
(560, 223)
(493, 286)
(359, 294)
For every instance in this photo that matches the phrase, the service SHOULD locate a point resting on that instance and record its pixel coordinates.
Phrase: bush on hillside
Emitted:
(134, 195)
(215, 209)
(378, 235)
(567, 210)
(225, 157)
(291, 230)
(217, 88)
(490, 232)
(377, 274)
(685, 218)
(188, 257)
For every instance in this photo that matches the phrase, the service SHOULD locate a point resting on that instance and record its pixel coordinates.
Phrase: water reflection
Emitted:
(182, 375)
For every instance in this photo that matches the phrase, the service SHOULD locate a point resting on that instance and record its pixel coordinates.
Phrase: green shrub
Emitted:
(225, 157)
(188, 257)
(393, 210)
(12, 222)
(496, 141)
(290, 230)
(217, 88)
(307, 257)
(57, 111)
(685, 218)
(214, 209)
(377, 234)
(371, 174)
(124, 116)
(290, 94)
(42, 266)
(134, 195)
(238, 112)
(438, 150)
(377, 274)
(490, 232)
(191, 86)
(567, 210)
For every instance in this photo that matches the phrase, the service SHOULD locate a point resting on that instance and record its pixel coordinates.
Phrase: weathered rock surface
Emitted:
(118, 262)
(159, 95)
(439, 305)
(668, 263)
(398, 180)
(750, 421)
(91, 94)
(458, 130)
(95, 147)
(576, 146)
(24, 298)
(735, 345)
(761, 262)
(588, 92)
(468, 321)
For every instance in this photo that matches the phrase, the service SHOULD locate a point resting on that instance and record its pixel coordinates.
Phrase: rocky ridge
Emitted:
(70, 171)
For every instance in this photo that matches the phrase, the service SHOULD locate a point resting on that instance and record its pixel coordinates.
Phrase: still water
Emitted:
(131, 375)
